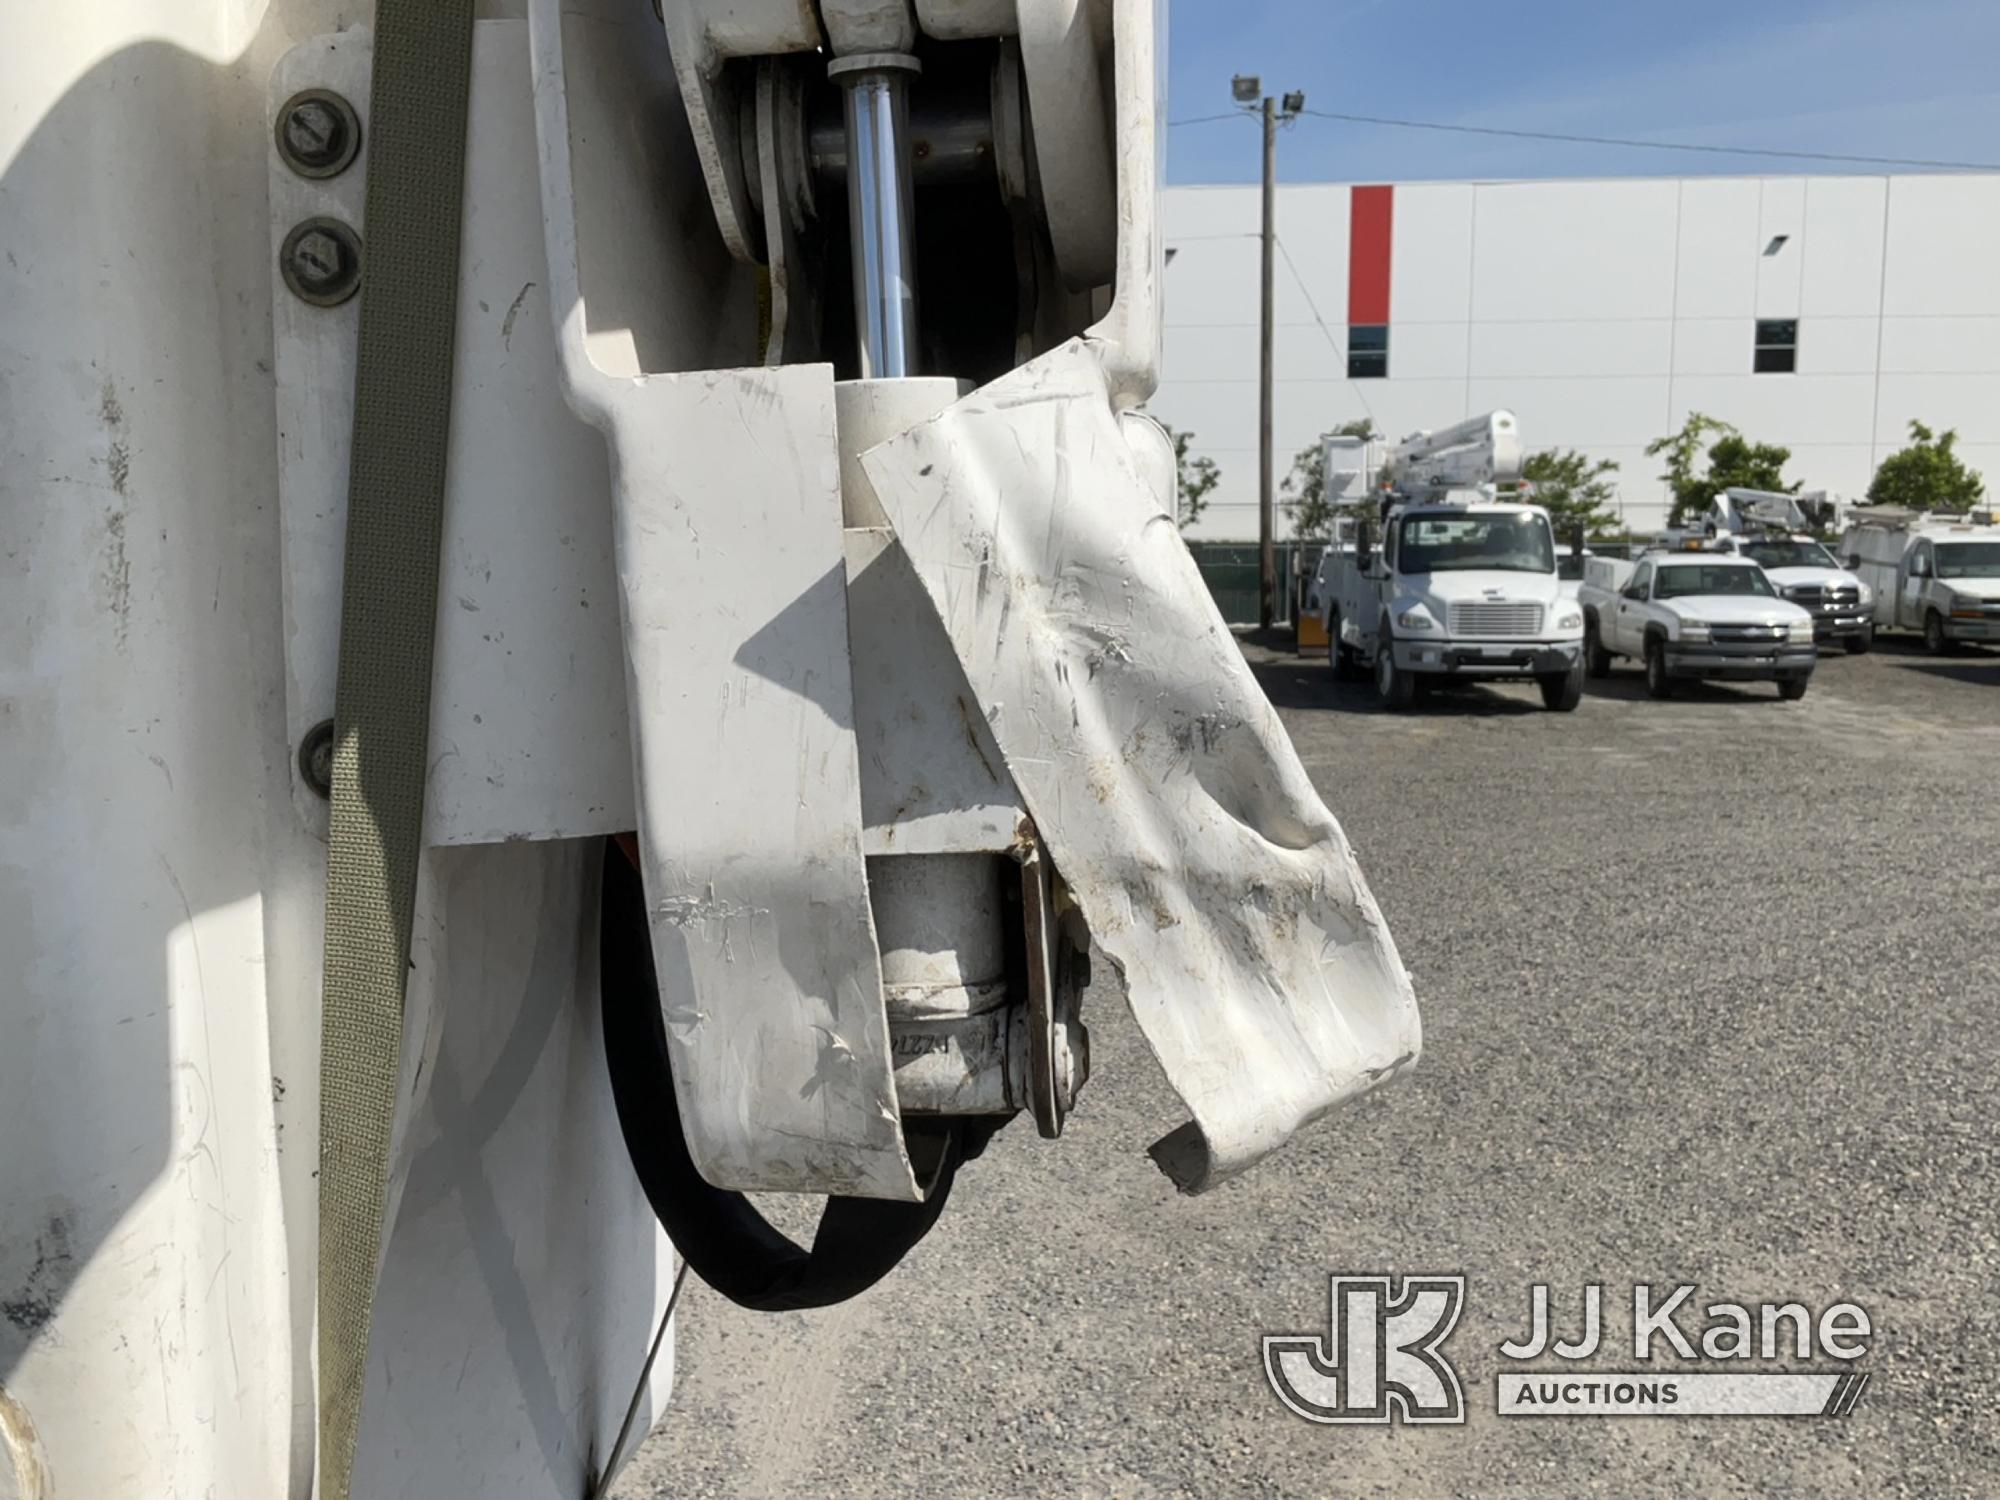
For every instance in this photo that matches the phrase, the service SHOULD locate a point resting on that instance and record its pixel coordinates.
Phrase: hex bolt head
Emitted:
(321, 262)
(317, 133)
(316, 758)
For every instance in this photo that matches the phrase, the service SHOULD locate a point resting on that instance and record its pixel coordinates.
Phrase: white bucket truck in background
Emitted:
(1348, 466)
(1775, 531)
(1455, 584)
(1938, 574)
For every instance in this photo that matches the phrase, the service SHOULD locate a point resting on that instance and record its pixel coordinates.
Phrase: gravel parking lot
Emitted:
(1711, 994)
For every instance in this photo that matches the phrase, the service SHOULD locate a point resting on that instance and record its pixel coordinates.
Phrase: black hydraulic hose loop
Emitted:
(720, 1235)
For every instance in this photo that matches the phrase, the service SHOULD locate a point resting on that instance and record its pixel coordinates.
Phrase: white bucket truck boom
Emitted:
(1458, 583)
(513, 741)
(1774, 530)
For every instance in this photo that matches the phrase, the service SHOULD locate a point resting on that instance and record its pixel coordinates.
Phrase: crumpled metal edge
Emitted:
(1210, 872)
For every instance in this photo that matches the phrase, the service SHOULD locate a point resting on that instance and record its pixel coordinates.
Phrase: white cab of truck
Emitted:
(1703, 615)
(1934, 574)
(1464, 589)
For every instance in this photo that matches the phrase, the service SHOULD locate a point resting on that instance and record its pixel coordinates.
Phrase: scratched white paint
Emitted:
(160, 899)
(149, 989)
(1211, 873)
(528, 733)
(732, 578)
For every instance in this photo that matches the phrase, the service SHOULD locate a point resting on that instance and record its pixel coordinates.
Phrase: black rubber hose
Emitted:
(720, 1235)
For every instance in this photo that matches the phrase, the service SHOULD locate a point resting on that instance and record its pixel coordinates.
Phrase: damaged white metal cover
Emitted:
(1211, 874)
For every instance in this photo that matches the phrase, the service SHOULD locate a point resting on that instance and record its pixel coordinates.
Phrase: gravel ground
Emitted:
(1709, 993)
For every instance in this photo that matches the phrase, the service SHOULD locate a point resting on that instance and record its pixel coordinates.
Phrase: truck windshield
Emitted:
(1789, 554)
(1968, 559)
(1680, 580)
(1516, 542)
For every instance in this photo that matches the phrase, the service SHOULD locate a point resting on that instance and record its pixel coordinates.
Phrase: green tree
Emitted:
(1194, 476)
(1927, 475)
(1304, 488)
(1732, 462)
(1574, 488)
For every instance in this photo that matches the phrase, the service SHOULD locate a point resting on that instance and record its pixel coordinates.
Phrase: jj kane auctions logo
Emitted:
(1382, 1358)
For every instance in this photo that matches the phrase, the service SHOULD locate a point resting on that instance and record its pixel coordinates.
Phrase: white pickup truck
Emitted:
(1457, 591)
(1694, 614)
(1803, 571)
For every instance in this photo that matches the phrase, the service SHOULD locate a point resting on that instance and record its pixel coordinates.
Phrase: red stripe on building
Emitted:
(1370, 232)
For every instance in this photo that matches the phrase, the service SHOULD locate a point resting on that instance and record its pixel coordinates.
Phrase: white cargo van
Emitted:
(1936, 574)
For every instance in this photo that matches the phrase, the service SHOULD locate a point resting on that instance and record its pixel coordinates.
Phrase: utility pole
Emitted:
(1247, 92)
(1267, 560)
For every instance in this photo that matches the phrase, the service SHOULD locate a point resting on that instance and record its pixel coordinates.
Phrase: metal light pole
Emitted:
(1247, 91)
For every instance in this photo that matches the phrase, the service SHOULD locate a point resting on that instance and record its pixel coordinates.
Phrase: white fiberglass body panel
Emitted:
(1156, 770)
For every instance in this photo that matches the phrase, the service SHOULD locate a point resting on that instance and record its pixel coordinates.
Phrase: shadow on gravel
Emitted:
(1308, 682)
(1630, 687)
(1984, 669)
(1467, 699)
(1966, 663)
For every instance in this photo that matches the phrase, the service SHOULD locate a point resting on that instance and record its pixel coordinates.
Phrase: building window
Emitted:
(1367, 351)
(1777, 347)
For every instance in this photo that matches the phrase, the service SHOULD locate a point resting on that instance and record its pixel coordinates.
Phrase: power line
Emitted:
(1313, 307)
(1628, 142)
(1607, 140)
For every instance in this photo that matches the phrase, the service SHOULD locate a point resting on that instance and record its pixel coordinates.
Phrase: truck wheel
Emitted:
(1395, 688)
(1935, 640)
(1857, 645)
(1562, 691)
(1658, 683)
(1793, 689)
(1596, 660)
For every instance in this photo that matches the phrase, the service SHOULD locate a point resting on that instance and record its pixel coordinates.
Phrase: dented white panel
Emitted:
(1157, 773)
(932, 780)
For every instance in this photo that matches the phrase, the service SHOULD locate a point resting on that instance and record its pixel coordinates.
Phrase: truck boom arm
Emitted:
(1481, 450)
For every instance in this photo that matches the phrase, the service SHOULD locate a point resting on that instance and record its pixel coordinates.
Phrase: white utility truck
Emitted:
(1772, 530)
(1460, 584)
(1697, 611)
(1939, 574)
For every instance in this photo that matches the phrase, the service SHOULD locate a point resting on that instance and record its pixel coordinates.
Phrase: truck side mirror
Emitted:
(1364, 547)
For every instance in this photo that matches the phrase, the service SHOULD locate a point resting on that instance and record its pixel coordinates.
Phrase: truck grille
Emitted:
(1812, 596)
(1746, 635)
(1496, 619)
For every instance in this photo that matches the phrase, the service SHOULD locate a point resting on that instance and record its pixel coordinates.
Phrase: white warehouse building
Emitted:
(1821, 313)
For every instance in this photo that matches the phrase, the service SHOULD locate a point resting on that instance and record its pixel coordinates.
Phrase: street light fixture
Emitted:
(1246, 87)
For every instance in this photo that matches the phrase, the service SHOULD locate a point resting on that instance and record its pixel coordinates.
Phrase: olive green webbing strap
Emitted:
(395, 505)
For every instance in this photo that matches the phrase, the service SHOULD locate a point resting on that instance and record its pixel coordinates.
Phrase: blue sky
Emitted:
(1912, 78)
